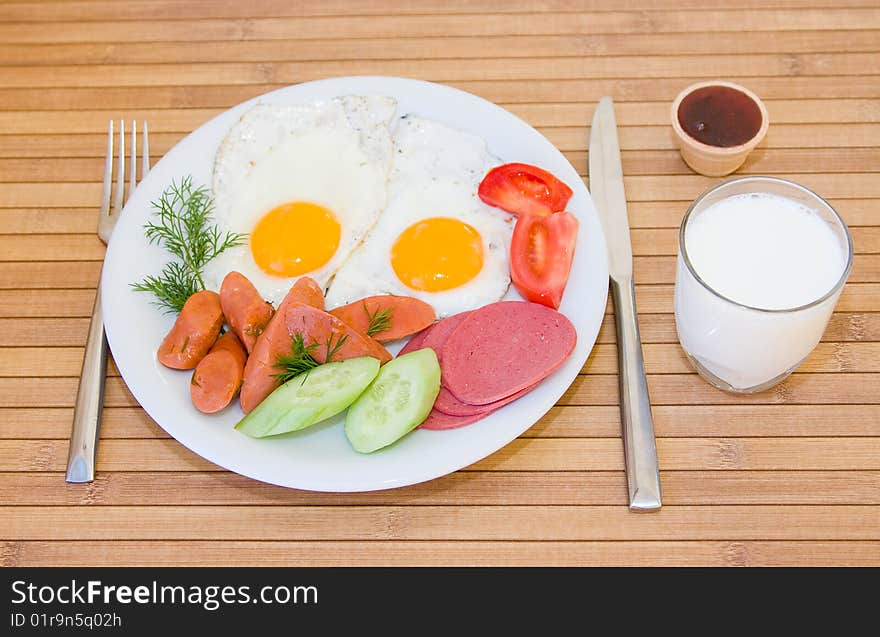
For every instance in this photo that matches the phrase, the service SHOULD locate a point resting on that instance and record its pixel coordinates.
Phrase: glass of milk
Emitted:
(761, 264)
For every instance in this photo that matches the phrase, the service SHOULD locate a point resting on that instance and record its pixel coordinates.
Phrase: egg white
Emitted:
(336, 154)
(436, 172)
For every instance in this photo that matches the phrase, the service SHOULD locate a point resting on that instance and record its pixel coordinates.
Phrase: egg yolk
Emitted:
(295, 238)
(437, 254)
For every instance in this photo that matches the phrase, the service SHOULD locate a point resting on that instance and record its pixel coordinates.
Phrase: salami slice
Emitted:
(437, 420)
(452, 406)
(415, 342)
(504, 348)
(440, 333)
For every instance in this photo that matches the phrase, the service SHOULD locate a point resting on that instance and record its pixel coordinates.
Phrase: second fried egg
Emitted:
(436, 240)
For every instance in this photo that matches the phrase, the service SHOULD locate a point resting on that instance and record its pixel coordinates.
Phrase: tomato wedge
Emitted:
(541, 252)
(523, 189)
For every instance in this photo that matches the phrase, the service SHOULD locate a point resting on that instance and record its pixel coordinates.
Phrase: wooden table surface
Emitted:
(787, 477)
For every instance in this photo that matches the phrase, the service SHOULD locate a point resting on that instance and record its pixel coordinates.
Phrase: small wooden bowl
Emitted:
(716, 161)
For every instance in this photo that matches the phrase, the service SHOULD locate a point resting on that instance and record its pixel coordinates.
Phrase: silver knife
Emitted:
(606, 188)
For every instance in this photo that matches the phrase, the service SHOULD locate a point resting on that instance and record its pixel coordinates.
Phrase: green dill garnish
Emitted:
(331, 348)
(172, 287)
(300, 360)
(380, 320)
(181, 226)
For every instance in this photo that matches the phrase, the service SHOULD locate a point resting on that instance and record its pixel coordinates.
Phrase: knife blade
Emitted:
(609, 196)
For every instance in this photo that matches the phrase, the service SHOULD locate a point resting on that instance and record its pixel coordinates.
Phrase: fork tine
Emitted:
(145, 166)
(132, 180)
(108, 174)
(120, 174)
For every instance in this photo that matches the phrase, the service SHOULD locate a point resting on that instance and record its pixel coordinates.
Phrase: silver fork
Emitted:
(90, 396)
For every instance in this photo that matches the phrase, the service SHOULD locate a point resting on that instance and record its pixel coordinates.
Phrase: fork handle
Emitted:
(89, 401)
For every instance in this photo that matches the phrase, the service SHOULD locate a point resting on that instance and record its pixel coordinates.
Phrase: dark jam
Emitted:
(719, 116)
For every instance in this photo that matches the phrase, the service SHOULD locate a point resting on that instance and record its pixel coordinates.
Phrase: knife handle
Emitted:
(642, 472)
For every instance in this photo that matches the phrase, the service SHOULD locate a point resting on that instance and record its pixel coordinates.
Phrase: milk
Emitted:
(768, 256)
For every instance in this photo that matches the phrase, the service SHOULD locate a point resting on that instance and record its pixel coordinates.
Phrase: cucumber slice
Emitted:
(311, 397)
(395, 403)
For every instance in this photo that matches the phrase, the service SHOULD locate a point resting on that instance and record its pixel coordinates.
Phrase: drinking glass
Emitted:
(736, 347)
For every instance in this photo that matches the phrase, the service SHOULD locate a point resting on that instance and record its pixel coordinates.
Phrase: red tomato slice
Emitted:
(524, 189)
(540, 256)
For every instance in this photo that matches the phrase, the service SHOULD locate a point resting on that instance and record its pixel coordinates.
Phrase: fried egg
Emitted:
(306, 183)
(436, 240)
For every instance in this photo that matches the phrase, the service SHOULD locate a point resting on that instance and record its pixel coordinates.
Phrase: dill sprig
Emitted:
(331, 348)
(172, 287)
(299, 360)
(380, 320)
(181, 225)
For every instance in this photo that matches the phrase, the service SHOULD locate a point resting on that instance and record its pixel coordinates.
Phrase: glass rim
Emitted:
(682, 248)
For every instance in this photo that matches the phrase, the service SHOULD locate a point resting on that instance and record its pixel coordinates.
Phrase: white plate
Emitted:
(320, 458)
